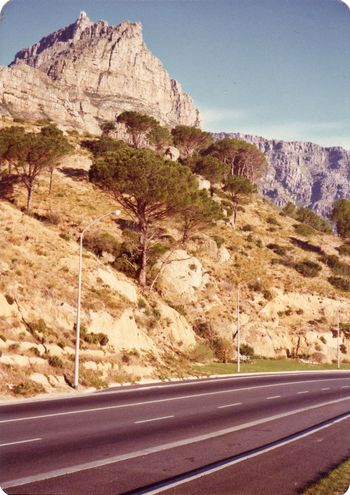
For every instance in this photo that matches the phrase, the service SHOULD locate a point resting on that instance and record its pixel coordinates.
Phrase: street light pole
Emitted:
(338, 342)
(238, 331)
(77, 325)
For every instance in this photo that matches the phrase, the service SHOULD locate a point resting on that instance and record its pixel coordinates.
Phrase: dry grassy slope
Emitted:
(39, 264)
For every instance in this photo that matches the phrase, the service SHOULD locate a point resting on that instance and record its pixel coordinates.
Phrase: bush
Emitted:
(201, 353)
(55, 362)
(276, 248)
(344, 249)
(308, 268)
(340, 283)
(303, 229)
(103, 243)
(28, 388)
(338, 267)
(272, 220)
(247, 228)
(96, 338)
(246, 350)
(223, 349)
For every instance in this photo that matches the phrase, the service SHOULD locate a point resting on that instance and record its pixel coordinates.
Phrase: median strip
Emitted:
(160, 448)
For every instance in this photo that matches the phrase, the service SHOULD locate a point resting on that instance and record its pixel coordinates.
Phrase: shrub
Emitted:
(96, 338)
(323, 340)
(340, 283)
(343, 348)
(338, 267)
(103, 243)
(28, 388)
(223, 348)
(344, 249)
(272, 220)
(219, 240)
(303, 229)
(276, 248)
(247, 228)
(64, 236)
(246, 350)
(55, 362)
(201, 353)
(308, 268)
(10, 300)
(141, 303)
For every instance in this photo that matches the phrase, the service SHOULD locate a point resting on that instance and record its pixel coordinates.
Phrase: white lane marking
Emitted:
(303, 392)
(345, 386)
(325, 388)
(230, 405)
(273, 397)
(152, 419)
(241, 459)
(160, 448)
(20, 441)
(156, 401)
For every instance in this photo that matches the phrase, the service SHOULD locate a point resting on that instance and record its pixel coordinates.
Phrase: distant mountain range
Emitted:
(305, 173)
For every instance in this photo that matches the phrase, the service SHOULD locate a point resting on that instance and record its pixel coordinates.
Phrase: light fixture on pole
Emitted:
(77, 325)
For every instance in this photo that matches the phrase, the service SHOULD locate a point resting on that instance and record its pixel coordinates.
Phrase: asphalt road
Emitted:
(270, 434)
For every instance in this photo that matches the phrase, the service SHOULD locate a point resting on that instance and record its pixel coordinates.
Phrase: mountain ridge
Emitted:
(302, 172)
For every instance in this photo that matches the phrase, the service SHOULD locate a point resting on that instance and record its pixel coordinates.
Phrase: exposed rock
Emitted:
(203, 183)
(124, 288)
(181, 276)
(172, 153)
(122, 333)
(178, 329)
(305, 173)
(90, 72)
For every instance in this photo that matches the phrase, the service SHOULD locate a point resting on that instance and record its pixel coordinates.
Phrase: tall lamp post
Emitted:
(77, 326)
(238, 329)
(338, 341)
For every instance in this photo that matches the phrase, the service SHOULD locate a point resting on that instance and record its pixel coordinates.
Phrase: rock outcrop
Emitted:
(305, 173)
(90, 72)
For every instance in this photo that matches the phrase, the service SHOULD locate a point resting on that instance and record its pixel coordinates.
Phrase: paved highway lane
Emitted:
(122, 440)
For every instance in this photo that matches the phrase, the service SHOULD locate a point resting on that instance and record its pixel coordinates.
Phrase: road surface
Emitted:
(264, 434)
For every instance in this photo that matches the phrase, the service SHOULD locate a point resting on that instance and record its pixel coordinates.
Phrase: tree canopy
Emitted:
(210, 167)
(147, 187)
(138, 125)
(190, 140)
(340, 215)
(243, 158)
(238, 187)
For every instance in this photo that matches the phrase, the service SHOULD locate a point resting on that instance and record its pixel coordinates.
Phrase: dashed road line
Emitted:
(325, 388)
(152, 419)
(230, 405)
(303, 392)
(273, 397)
(20, 441)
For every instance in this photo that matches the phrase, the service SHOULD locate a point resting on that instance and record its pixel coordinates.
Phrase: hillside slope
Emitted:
(131, 333)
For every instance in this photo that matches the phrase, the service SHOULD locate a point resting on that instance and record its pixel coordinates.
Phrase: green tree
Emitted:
(309, 217)
(200, 212)
(243, 158)
(190, 140)
(210, 167)
(57, 147)
(33, 153)
(160, 138)
(9, 137)
(138, 125)
(147, 187)
(103, 145)
(238, 187)
(340, 215)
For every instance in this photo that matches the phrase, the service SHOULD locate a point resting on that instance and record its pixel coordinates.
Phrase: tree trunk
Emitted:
(51, 180)
(30, 189)
(186, 230)
(144, 256)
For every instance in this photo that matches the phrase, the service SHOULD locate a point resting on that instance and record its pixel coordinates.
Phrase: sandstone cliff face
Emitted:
(89, 72)
(304, 173)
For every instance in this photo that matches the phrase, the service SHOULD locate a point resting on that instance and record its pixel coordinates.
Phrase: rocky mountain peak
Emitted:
(98, 71)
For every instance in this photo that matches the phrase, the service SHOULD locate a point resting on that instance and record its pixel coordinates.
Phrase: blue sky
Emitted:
(275, 68)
